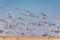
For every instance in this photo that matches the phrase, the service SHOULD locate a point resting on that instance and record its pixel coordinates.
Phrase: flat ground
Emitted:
(29, 38)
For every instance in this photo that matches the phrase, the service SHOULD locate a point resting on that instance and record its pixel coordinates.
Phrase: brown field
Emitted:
(29, 38)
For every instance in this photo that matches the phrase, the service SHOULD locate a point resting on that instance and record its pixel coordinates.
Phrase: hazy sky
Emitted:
(50, 7)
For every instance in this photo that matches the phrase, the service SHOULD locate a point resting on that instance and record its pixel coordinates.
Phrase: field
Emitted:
(29, 38)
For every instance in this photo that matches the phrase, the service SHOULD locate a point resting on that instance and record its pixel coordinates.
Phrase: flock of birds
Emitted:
(20, 27)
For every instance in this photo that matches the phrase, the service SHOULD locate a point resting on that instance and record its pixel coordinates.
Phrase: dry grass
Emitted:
(29, 38)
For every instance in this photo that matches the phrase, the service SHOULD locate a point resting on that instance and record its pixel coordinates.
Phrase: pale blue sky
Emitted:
(50, 7)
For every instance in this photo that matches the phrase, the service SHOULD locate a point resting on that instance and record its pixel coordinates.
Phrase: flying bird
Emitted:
(56, 31)
(41, 16)
(45, 34)
(20, 19)
(57, 17)
(19, 9)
